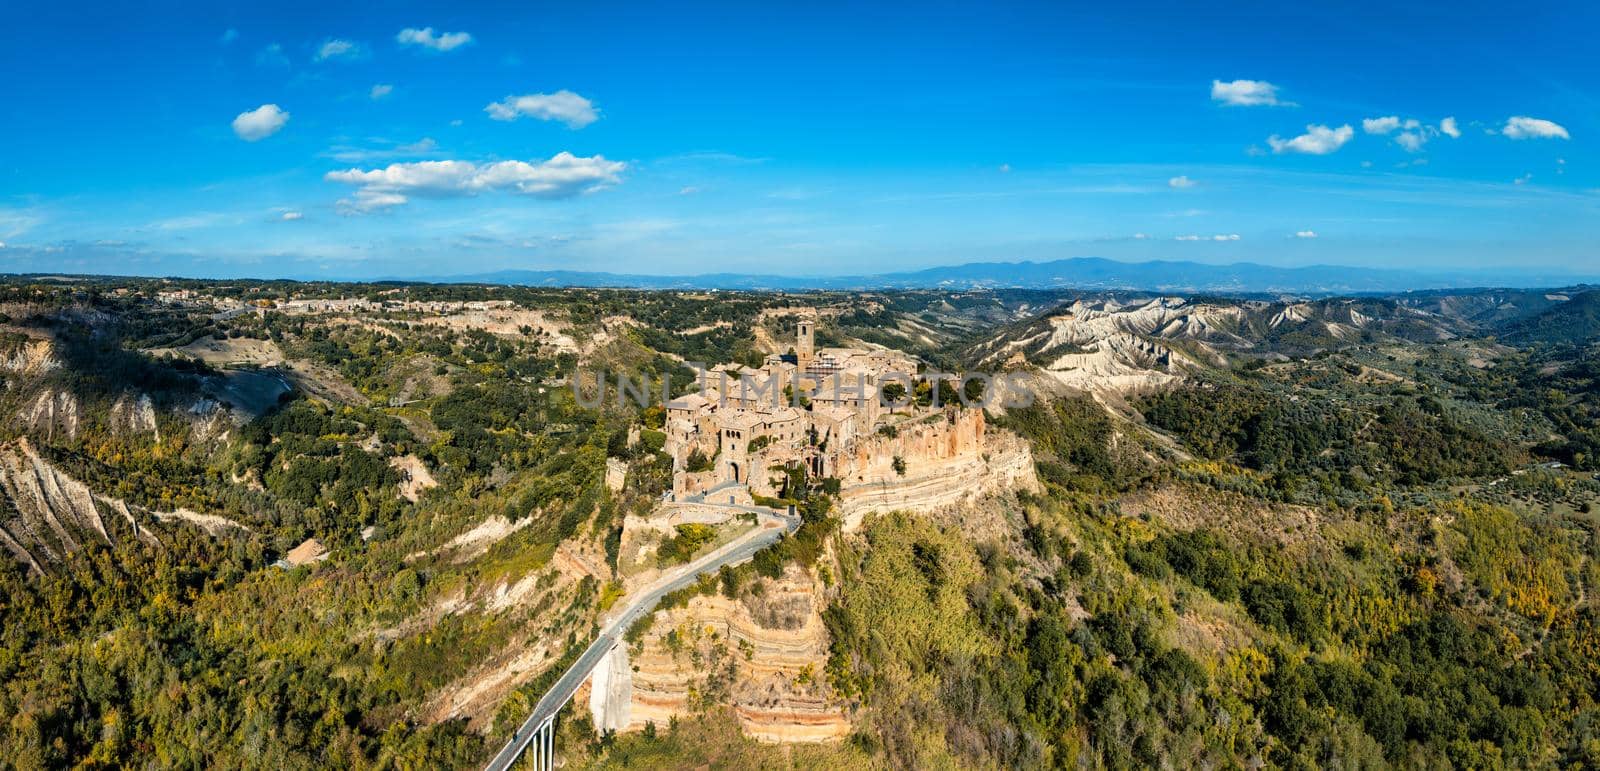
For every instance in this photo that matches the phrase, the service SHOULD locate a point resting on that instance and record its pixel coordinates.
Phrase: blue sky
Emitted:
(428, 139)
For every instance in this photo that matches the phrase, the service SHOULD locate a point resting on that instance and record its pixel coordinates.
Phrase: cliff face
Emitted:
(763, 654)
(942, 470)
(52, 415)
(45, 514)
(35, 357)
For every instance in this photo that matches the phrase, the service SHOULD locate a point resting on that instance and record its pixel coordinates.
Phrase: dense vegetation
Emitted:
(1355, 553)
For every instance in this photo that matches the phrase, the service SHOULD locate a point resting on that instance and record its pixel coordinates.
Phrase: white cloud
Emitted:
(688, 190)
(380, 150)
(367, 201)
(425, 37)
(563, 105)
(335, 48)
(1522, 127)
(1411, 141)
(1318, 140)
(1005, 168)
(1246, 93)
(1305, 234)
(1219, 237)
(1449, 128)
(1380, 125)
(292, 216)
(260, 123)
(380, 91)
(563, 176)
(1524, 179)
(1180, 182)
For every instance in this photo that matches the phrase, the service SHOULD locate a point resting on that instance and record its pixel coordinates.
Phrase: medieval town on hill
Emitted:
(815, 409)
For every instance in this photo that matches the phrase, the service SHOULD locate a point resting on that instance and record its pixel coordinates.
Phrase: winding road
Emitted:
(771, 526)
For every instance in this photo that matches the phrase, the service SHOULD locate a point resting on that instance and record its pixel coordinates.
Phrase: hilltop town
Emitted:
(389, 503)
(809, 408)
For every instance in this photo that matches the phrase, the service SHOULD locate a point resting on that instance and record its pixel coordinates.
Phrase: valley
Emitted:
(251, 524)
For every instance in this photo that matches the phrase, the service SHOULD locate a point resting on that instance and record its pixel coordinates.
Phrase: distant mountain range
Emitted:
(1074, 273)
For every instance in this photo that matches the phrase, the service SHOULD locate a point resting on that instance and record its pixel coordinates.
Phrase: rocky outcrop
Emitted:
(1120, 364)
(51, 415)
(35, 357)
(45, 514)
(51, 514)
(134, 416)
(534, 646)
(762, 654)
(934, 482)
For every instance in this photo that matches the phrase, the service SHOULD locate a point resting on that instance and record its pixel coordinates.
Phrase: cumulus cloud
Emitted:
(1245, 93)
(380, 91)
(1411, 141)
(1380, 125)
(1180, 182)
(1305, 234)
(1219, 237)
(1523, 127)
(260, 123)
(563, 176)
(1318, 140)
(292, 216)
(1448, 127)
(427, 38)
(563, 105)
(335, 48)
(1413, 136)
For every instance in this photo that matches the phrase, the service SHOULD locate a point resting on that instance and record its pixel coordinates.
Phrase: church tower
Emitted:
(804, 344)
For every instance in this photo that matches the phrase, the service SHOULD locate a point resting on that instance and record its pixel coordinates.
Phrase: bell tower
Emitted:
(804, 343)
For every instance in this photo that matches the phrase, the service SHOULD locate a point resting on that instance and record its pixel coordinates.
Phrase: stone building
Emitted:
(818, 409)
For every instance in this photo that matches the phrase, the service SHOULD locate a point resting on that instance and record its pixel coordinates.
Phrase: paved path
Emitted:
(771, 526)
